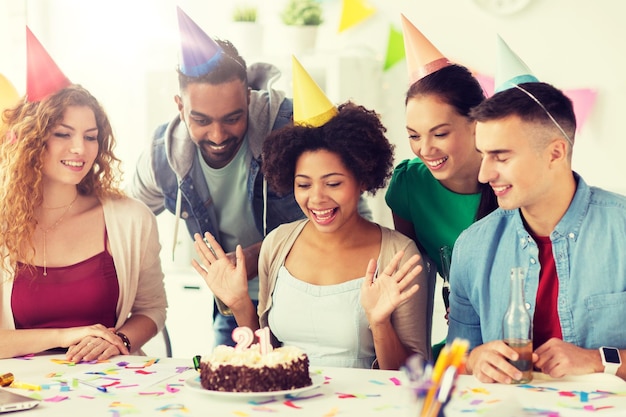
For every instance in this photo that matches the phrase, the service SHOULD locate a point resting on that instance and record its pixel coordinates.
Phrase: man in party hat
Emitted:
(568, 236)
(436, 195)
(204, 165)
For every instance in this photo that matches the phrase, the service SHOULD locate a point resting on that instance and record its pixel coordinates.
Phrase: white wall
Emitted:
(125, 52)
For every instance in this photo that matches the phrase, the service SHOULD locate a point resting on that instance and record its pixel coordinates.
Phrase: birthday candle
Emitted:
(243, 336)
(264, 340)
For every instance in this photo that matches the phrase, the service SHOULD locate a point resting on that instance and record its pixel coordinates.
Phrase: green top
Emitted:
(438, 214)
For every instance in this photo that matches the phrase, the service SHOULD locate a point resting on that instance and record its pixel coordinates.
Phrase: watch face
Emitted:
(611, 355)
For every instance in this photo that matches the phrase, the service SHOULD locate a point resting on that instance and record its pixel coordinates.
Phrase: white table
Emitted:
(160, 390)
(544, 396)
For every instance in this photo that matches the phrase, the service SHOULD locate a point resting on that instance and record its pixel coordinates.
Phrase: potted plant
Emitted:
(246, 33)
(243, 13)
(302, 17)
(302, 13)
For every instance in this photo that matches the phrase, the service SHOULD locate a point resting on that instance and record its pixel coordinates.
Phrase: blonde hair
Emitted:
(23, 134)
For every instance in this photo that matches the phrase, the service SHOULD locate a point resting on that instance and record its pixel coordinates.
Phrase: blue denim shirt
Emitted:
(589, 247)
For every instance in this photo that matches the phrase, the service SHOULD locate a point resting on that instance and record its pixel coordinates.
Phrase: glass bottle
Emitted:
(517, 327)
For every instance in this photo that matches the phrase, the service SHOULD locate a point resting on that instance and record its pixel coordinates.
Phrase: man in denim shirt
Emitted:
(569, 237)
(204, 165)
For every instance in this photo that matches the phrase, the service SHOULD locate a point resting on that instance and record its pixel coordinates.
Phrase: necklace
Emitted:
(48, 229)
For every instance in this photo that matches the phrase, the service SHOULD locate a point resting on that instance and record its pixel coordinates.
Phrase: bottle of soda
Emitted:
(517, 327)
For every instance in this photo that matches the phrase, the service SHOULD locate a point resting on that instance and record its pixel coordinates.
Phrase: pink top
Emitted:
(82, 294)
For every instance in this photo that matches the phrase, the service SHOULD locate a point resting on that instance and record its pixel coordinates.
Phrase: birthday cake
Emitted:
(249, 370)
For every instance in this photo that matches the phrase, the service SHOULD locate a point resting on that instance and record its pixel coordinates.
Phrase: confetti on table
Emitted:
(169, 407)
(253, 402)
(264, 408)
(240, 414)
(288, 403)
(395, 381)
(57, 398)
(119, 404)
(377, 382)
(142, 372)
(332, 413)
(300, 398)
(172, 387)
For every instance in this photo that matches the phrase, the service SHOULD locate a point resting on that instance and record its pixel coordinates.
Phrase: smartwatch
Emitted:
(610, 359)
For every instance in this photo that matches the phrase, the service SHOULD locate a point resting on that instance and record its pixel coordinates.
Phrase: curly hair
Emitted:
(23, 133)
(355, 134)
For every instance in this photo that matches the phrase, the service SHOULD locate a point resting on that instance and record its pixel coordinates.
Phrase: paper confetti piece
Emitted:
(288, 403)
(240, 414)
(264, 408)
(170, 388)
(332, 413)
(172, 407)
(57, 398)
(253, 402)
(374, 381)
(300, 398)
(119, 404)
(395, 381)
(157, 393)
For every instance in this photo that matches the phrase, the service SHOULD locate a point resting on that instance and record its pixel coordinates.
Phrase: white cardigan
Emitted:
(134, 240)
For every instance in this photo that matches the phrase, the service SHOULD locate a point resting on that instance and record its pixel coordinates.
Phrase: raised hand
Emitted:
(381, 295)
(226, 280)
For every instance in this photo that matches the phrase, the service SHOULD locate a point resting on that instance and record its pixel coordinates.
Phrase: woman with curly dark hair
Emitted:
(342, 288)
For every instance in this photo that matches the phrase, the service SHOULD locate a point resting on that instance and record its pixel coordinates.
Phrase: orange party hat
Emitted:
(422, 57)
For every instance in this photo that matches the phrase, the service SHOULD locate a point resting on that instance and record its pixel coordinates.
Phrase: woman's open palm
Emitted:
(381, 295)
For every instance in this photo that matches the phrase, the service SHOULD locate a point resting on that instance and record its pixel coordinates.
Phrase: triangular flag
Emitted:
(354, 12)
(311, 107)
(43, 76)
(199, 52)
(510, 69)
(8, 94)
(486, 82)
(583, 101)
(395, 48)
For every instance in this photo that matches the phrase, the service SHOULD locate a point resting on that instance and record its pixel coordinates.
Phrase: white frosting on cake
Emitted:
(252, 357)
